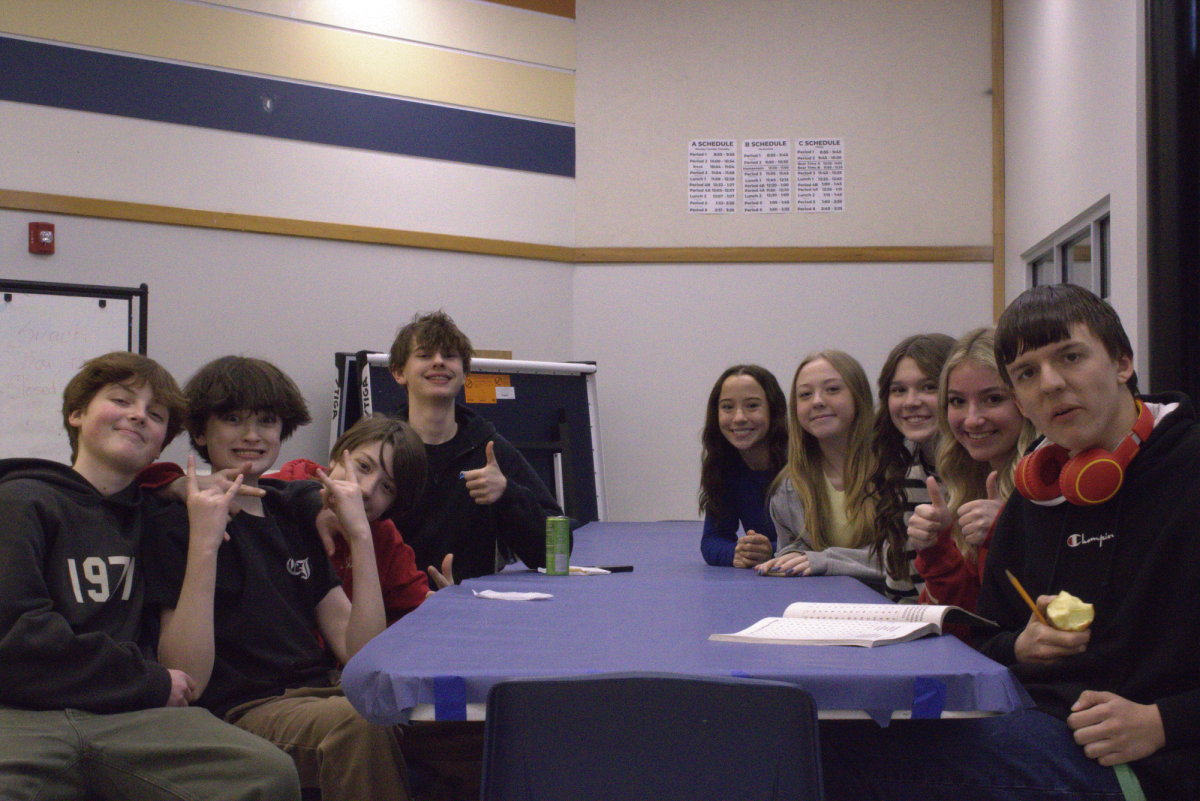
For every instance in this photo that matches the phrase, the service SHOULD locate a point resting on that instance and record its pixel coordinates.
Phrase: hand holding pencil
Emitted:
(1039, 642)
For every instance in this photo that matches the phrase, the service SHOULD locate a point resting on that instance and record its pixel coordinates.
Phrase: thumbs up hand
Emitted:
(488, 483)
(929, 520)
(975, 518)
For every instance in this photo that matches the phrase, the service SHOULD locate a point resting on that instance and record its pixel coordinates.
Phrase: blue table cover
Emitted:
(656, 618)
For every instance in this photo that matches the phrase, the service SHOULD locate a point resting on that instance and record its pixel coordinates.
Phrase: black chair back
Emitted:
(650, 736)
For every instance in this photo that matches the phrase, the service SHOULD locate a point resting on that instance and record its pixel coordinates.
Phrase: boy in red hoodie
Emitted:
(390, 461)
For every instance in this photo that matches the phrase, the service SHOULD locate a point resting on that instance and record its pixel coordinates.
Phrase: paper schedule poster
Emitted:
(820, 175)
(712, 176)
(767, 176)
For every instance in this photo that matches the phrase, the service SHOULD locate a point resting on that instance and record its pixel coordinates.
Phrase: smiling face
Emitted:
(371, 462)
(743, 414)
(1074, 392)
(237, 437)
(912, 402)
(122, 429)
(431, 373)
(824, 406)
(982, 414)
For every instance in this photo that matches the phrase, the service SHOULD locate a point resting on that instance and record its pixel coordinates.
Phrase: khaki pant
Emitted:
(177, 754)
(334, 748)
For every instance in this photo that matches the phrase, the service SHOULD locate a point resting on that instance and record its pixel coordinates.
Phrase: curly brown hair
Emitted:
(892, 458)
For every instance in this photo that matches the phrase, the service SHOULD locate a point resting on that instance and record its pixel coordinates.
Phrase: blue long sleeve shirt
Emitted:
(745, 502)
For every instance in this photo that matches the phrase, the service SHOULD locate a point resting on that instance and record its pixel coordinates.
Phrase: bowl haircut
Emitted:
(234, 383)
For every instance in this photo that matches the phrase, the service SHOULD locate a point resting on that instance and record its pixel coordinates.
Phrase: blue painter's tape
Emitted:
(929, 698)
(449, 698)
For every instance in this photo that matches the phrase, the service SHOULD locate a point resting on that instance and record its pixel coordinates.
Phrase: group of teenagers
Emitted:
(170, 635)
(829, 487)
(1024, 449)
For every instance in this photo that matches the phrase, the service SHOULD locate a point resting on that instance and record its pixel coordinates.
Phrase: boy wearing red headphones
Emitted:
(1108, 511)
(1109, 515)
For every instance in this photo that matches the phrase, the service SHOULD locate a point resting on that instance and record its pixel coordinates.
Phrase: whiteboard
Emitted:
(45, 335)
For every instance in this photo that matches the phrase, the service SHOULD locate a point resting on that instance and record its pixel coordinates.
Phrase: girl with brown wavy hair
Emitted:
(905, 450)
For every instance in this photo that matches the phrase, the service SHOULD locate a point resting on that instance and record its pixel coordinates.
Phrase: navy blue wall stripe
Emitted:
(83, 80)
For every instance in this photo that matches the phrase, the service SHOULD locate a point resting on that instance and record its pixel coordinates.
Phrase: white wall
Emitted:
(1074, 132)
(291, 300)
(649, 79)
(904, 82)
(661, 335)
(295, 301)
(115, 158)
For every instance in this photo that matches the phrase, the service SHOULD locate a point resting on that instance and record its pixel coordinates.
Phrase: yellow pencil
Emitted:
(1025, 595)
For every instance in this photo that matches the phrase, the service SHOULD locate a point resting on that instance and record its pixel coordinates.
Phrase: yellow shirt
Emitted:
(839, 533)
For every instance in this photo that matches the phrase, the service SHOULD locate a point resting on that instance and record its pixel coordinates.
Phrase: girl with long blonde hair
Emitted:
(823, 515)
(982, 436)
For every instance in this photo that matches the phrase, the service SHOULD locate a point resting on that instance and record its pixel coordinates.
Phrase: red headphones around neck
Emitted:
(1091, 477)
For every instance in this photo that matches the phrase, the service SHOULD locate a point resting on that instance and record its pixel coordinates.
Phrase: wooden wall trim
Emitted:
(281, 226)
(740, 255)
(998, 267)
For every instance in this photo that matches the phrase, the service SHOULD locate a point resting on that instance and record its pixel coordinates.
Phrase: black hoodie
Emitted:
(447, 520)
(71, 594)
(1137, 559)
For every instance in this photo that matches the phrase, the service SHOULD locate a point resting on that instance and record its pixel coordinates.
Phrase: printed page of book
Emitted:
(913, 613)
(826, 631)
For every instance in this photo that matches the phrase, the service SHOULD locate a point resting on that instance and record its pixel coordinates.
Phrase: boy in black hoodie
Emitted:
(85, 713)
(481, 495)
(1109, 515)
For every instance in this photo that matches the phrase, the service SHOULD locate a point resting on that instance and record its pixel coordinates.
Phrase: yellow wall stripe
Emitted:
(280, 48)
(466, 25)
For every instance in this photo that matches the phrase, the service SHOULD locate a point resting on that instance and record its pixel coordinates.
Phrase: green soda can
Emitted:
(558, 546)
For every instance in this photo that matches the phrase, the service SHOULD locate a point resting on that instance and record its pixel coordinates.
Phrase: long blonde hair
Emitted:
(806, 465)
(965, 478)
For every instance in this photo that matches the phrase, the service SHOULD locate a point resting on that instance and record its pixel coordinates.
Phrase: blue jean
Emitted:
(1021, 756)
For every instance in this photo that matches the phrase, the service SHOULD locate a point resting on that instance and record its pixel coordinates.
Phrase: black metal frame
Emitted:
(101, 293)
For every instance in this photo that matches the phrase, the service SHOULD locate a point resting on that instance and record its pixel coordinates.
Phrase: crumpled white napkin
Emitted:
(583, 571)
(512, 596)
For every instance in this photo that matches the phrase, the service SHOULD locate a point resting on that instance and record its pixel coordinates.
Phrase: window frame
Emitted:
(1050, 260)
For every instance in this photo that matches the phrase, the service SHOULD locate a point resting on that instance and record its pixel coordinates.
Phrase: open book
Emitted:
(852, 624)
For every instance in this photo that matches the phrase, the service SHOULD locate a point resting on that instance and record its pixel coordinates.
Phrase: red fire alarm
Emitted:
(41, 237)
